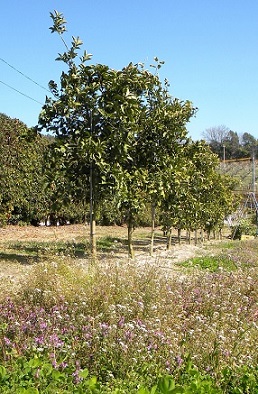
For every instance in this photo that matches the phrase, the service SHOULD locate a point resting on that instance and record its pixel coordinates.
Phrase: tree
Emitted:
(162, 144)
(249, 144)
(216, 137)
(202, 198)
(232, 146)
(228, 144)
(21, 177)
(100, 118)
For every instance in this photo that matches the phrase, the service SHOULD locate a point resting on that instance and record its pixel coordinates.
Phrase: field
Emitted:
(181, 321)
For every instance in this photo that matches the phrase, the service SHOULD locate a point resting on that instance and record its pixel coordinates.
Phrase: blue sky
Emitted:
(210, 49)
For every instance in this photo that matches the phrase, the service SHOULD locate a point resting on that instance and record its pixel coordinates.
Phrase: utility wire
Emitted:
(24, 75)
(23, 94)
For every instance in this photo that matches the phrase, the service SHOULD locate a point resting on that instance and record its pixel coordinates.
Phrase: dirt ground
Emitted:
(78, 233)
(14, 267)
(43, 233)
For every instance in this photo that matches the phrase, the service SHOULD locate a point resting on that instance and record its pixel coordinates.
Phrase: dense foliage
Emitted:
(28, 185)
(21, 180)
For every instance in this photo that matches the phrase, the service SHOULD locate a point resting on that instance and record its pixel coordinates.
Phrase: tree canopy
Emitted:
(228, 144)
(120, 128)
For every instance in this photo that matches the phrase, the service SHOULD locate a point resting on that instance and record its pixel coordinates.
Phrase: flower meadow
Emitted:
(128, 327)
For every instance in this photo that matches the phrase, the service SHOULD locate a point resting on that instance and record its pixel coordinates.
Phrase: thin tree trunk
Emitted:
(202, 236)
(152, 228)
(169, 239)
(93, 242)
(179, 233)
(195, 237)
(189, 236)
(130, 237)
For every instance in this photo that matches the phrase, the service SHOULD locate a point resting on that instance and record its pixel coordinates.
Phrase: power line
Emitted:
(23, 94)
(24, 75)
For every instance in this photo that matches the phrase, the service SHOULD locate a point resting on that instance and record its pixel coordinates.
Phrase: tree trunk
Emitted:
(202, 236)
(152, 228)
(179, 233)
(189, 236)
(93, 243)
(195, 237)
(130, 237)
(169, 239)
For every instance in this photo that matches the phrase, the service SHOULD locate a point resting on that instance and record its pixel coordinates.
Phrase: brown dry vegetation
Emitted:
(22, 247)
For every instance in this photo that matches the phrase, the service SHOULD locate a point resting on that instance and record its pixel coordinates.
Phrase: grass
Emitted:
(211, 263)
(120, 326)
(35, 250)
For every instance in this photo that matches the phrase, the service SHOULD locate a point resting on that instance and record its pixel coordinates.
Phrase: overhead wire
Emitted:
(23, 94)
(24, 75)
(27, 77)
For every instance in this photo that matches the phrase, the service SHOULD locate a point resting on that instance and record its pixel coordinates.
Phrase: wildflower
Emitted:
(55, 341)
(63, 365)
(39, 340)
(7, 341)
(179, 360)
(37, 373)
(121, 322)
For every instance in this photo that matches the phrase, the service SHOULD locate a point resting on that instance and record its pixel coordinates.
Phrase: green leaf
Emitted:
(166, 384)
(143, 390)
(2, 372)
(84, 373)
(34, 363)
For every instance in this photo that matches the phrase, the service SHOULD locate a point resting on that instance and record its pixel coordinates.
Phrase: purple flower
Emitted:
(121, 322)
(55, 341)
(7, 341)
(63, 365)
(39, 340)
(179, 360)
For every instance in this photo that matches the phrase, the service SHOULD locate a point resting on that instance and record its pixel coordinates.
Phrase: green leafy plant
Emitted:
(211, 263)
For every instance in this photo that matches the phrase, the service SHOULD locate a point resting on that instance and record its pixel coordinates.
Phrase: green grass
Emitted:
(210, 263)
(36, 249)
(108, 243)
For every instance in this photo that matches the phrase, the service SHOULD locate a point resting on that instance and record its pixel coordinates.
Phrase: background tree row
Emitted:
(228, 144)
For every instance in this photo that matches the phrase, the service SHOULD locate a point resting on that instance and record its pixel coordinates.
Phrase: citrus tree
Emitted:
(21, 175)
(119, 131)
(201, 198)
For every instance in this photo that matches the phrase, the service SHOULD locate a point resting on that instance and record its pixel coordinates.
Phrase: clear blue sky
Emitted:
(210, 49)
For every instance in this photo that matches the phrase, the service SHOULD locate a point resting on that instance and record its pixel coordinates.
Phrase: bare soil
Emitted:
(15, 263)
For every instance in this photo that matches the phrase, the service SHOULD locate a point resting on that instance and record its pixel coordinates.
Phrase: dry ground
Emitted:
(79, 233)
(16, 264)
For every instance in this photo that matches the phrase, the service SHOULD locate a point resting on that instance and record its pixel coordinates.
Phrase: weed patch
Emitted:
(211, 263)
